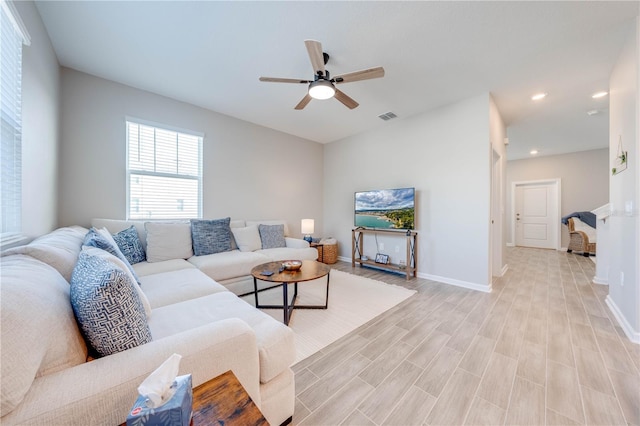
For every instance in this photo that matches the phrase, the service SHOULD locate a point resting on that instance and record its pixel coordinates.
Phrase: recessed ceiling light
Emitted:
(599, 95)
(593, 112)
(538, 96)
(533, 152)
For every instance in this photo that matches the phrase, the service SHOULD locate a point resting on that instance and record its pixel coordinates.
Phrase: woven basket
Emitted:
(330, 253)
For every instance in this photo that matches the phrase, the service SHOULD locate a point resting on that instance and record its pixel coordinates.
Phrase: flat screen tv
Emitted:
(385, 208)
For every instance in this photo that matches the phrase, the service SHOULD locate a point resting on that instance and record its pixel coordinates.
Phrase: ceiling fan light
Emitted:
(321, 89)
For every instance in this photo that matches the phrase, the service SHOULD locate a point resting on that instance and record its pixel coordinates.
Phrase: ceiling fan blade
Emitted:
(283, 80)
(314, 48)
(367, 74)
(303, 103)
(346, 100)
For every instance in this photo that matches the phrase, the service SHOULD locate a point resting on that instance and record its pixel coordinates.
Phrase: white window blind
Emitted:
(164, 173)
(12, 36)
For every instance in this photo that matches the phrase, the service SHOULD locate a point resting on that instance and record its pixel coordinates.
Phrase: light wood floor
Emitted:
(542, 348)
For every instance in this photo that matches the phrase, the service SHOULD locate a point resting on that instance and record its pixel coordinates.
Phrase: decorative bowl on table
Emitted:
(291, 265)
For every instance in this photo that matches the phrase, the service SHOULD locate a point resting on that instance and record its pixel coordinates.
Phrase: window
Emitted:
(164, 172)
(12, 35)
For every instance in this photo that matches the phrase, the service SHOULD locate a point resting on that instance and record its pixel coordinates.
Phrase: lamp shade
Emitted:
(321, 89)
(307, 226)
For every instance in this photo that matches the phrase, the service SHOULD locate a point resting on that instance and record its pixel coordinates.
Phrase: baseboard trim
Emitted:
(457, 283)
(601, 281)
(563, 248)
(510, 245)
(633, 335)
(444, 280)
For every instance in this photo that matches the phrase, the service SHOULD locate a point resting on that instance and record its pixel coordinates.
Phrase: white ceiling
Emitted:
(211, 54)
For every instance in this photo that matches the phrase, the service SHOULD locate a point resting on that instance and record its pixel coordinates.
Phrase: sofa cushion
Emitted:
(287, 253)
(39, 332)
(146, 268)
(94, 251)
(276, 348)
(210, 236)
(107, 306)
(247, 238)
(168, 240)
(130, 245)
(222, 266)
(272, 236)
(177, 286)
(59, 248)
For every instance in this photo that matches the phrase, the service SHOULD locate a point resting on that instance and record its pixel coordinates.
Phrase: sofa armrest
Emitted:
(104, 390)
(296, 243)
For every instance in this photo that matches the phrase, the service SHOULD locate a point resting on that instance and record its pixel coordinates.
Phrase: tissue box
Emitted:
(175, 412)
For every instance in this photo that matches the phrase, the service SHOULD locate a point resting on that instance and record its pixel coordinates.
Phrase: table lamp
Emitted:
(307, 229)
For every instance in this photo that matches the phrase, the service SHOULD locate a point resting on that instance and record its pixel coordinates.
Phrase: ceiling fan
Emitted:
(323, 86)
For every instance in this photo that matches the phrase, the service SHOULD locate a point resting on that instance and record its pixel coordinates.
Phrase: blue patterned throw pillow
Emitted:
(102, 239)
(130, 245)
(272, 236)
(211, 236)
(107, 306)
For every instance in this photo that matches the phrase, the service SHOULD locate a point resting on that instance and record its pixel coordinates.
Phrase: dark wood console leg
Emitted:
(288, 421)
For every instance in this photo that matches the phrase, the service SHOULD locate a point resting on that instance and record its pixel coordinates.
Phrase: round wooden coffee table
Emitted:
(310, 270)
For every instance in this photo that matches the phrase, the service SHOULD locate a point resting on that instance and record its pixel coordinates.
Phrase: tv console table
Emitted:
(357, 249)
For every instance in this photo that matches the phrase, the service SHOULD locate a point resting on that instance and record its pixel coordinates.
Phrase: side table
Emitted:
(320, 248)
(223, 401)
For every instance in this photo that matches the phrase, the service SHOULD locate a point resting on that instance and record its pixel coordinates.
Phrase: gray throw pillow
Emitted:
(272, 236)
(211, 236)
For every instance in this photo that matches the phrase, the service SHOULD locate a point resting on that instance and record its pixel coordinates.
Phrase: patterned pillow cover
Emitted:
(211, 236)
(102, 239)
(130, 245)
(107, 306)
(272, 236)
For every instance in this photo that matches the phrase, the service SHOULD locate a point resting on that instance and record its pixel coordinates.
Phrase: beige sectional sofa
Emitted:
(47, 377)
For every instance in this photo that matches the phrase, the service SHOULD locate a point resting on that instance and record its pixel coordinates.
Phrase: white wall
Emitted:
(584, 181)
(250, 172)
(497, 133)
(624, 294)
(445, 155)
(40, 126)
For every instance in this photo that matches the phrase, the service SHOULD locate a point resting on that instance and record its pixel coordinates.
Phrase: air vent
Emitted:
(387, 116)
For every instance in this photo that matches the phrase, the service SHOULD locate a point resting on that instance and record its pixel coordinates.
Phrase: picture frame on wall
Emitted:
(620, 162)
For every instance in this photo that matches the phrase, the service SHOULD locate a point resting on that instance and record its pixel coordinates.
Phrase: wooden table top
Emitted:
(223, 401)
(310, 270)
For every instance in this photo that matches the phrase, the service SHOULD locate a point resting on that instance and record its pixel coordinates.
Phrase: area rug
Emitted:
(353, 301)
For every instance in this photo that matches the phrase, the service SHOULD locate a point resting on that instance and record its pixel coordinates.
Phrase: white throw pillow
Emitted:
(248, 238)
(94, 251)
(168, 240)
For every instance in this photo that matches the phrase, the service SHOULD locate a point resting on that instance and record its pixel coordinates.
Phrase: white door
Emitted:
(536, 215)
